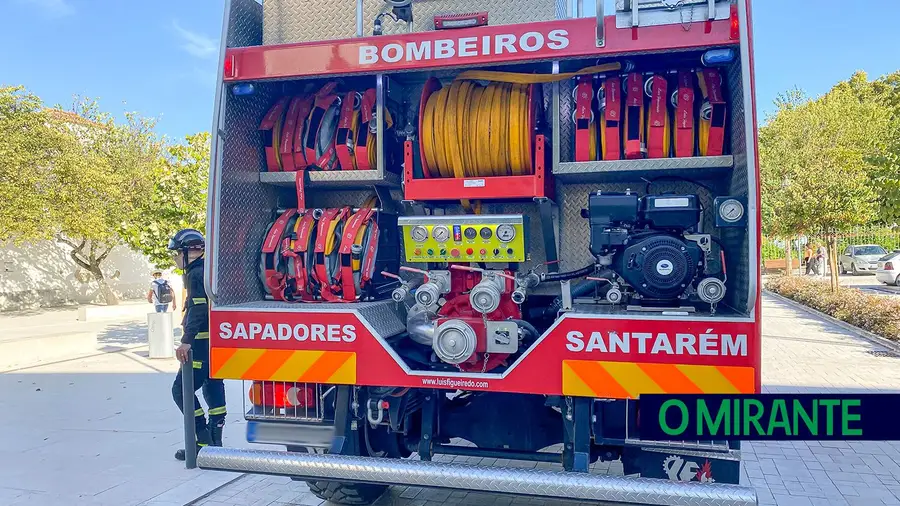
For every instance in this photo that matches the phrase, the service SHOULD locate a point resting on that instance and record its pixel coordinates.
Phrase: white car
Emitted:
(889, 269)
(860, 258)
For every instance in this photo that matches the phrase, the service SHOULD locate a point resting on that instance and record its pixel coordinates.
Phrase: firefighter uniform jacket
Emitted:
(196, 315)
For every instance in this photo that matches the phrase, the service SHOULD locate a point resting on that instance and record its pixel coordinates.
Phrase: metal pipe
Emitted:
(531, 482)
(473, 451)
(187, 407)
(359, 18)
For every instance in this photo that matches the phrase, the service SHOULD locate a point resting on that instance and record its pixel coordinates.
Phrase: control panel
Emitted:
(467, 238)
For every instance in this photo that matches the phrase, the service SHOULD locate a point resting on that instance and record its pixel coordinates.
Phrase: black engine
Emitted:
(651, 244)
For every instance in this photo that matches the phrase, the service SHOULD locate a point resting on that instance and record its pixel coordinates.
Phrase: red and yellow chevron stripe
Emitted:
(283, 365)
(627, 380)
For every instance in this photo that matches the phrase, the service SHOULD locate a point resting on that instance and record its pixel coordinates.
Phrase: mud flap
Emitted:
(677, 464)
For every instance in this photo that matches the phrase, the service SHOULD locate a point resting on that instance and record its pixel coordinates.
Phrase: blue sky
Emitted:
(159, 58)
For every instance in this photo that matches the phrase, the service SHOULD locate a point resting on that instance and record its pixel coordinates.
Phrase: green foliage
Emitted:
(877, 314)
(86, 181)
(178, 199)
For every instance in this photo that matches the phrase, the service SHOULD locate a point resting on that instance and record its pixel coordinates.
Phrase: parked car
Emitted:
(889, 269)
(860, 258)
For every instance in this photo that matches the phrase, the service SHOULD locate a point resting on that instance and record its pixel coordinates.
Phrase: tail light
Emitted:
(888, 266)
(735, 23)
(282, 395)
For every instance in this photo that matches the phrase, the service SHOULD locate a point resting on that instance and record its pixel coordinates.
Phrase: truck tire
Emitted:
(346, 493)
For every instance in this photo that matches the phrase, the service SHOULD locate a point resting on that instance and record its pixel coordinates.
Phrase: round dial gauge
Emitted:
(731, 210)
(419, 233)
(440, 233)
(470, 233)
(506, 233)
(485, 233)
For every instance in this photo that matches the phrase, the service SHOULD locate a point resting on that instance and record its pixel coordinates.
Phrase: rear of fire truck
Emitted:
(484, 229)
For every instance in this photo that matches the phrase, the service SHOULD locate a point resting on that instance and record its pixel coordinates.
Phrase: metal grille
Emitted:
(285, 401)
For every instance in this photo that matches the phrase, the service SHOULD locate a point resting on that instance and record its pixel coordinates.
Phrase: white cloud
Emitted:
(194, 43)
(53, 8)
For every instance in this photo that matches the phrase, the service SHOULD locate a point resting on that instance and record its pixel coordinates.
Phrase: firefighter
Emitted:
(187, 248)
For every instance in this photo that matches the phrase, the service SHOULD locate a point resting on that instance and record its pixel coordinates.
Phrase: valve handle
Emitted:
(391, 275)
(413, 269)
(598, 279)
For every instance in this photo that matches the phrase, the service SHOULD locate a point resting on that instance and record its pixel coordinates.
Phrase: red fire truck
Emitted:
(484, 229)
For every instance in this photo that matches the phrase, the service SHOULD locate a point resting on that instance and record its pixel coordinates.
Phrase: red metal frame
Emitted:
(653, 346)
(480, 188)
(324, 58)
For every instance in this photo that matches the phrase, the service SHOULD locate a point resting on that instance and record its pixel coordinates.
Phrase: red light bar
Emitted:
(467, 20)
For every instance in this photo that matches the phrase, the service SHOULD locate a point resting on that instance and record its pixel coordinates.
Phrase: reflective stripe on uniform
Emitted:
(200, 444)
(198, 300)
(198, 364)
(202, 335)
(217, 411)
(198, 412)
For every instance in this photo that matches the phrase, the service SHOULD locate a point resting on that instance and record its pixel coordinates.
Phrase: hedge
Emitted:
(879, 315)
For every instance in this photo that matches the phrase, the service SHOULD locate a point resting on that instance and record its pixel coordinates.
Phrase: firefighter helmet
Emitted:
(187, 238)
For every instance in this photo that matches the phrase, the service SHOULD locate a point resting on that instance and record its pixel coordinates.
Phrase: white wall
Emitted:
(43, 275)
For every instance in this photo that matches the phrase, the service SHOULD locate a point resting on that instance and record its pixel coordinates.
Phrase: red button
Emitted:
(469, 251)
(454, 252)
(483, 252)
(418, 251)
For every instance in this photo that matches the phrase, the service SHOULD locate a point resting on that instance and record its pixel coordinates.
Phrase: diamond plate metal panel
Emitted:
(500, 12)
(697, 167)
(286, 21)
(382, 316)
(737, 241)
(244, 23)
(333, 178)
(245, 206)
(531, 482)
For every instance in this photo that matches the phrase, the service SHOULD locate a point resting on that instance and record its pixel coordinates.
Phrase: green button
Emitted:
(443, 252)
(430, 252)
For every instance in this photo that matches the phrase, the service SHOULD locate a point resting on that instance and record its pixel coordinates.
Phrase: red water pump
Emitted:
(473, 316)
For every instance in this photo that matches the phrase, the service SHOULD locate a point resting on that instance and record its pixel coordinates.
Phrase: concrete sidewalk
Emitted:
(88, 419)
(100, 430)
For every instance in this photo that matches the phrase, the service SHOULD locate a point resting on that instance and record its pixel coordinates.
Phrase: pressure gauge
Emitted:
(731, 211)
(506, 233)
(419, 233)
(440, 233)
(485, 233)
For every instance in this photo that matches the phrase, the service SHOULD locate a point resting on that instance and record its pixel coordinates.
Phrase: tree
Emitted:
(816, 157)
(75, 178)
(178, 199)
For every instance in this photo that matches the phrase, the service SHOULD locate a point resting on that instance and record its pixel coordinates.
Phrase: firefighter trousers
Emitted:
(213, 394)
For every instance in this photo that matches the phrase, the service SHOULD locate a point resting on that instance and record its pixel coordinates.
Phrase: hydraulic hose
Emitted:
(562, 276)
(527, 326)
(578, 290)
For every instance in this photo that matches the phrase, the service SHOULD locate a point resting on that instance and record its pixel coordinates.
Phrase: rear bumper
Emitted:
(887, 277)
(530, 482)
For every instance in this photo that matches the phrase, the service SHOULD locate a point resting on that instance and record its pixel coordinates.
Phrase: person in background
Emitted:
(808, 258)
(187, 247)
(161, 294)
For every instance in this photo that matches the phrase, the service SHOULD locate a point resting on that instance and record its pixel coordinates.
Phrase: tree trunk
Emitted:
(832, 261)
(109, 296)
(788, 264)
